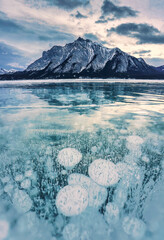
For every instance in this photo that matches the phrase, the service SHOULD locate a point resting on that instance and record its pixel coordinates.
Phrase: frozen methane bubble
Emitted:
(22, 201)
(94, 149)
(4, 229)
(130, 173)
(72, 200)
(91, 224)
(134, 141)
(1, 188)
(9, 188)
(19, 178)
(29, 173)
(69, 157)
(5, 179)
(28, 222)
(121, 194)
(71, 232)
(111, 213)
(134, 227)
(103, 172)
(96, 194)
(64, 172)
(26, 183)
(121, 168)
(145, 159)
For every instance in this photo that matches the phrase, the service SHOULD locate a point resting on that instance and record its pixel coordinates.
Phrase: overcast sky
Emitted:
(28, 27)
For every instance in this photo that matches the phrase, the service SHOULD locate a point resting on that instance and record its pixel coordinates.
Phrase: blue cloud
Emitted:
(155, 61)
(109, 8)
(79, 15)
(10, 55)
(102, 21)
(91, 36)
(66, 4)
(28, 32)
(71, 4)
(142, 52)
(113, 11)
(145, 33)
(23, 32)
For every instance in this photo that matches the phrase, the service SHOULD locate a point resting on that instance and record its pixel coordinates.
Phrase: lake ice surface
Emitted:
(82, 160)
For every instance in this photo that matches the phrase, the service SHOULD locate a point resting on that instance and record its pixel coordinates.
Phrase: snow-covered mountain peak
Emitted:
(80, 39)
(84, 58)
(117, 50)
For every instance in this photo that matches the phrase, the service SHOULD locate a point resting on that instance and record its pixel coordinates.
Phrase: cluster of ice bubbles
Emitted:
(85, 202)
(84, 196)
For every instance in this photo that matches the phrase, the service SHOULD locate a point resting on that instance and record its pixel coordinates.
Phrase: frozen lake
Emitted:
(82, 160)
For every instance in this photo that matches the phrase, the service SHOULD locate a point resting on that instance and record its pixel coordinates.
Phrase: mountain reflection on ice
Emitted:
(117, 124)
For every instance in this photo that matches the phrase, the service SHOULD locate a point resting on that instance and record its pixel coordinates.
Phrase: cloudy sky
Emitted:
(28, 27)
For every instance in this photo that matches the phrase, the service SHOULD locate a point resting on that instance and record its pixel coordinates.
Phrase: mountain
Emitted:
(86, 59)
(4, 71)
(161, 68)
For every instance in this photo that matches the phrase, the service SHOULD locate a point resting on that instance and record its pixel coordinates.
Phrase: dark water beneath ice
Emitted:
(119, 122)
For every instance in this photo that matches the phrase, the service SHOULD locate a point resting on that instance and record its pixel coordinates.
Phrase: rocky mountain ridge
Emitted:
(86, 59)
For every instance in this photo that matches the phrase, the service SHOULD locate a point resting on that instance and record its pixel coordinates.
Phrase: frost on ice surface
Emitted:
(134, 227)
(96, 194)
(72, 200)
(103, 172)
(21, 201)
(4, 229)
(69, 157)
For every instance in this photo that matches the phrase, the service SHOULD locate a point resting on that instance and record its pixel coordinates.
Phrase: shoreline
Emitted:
(37, 81)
